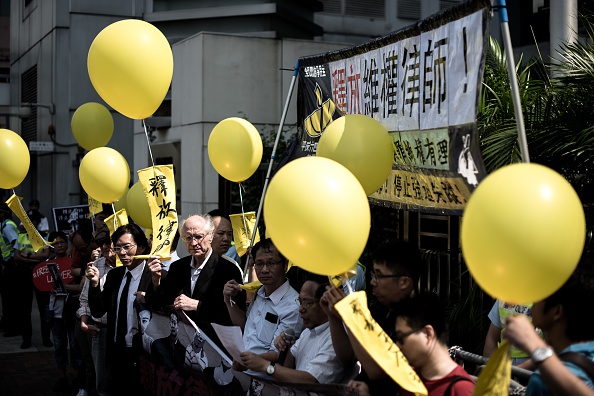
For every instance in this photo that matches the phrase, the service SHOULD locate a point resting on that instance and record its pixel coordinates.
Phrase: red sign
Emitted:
(42, 279)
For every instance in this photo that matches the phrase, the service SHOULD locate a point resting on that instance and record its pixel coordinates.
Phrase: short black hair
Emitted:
(35, 202)
(321, 280)
(266, 245)
(577, 291)
(402, 257)
(424, 309)
(57, 234)
(219, 213)
(137, 234)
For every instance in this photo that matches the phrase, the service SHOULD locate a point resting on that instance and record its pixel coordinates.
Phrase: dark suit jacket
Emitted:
(208, 290)
(169, 352)
(104, 301)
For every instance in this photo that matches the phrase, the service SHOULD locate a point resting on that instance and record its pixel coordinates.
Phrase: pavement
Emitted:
(30, 371)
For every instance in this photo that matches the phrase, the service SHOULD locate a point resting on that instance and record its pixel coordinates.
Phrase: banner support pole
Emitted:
(272, 156)
(513, 80)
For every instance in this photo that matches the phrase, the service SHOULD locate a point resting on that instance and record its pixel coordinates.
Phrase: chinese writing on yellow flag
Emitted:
(242, 236)
(94, 206)
(356, 316)
(495, 377)
(158, 184)
(37, 241)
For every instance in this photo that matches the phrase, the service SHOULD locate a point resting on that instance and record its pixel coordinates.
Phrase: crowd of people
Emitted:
(290, 327)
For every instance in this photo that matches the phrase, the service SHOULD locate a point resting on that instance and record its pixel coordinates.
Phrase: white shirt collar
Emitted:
(276, 295)
(193, 262)
(136, 272)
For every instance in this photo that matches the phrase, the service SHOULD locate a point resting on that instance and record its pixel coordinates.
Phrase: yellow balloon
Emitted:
(317, 214)
(104, 174)
(14, 159)
(235, 149)
(130, 64)
(137, 206)
(92, 125)
(362, 145)
(523, 231)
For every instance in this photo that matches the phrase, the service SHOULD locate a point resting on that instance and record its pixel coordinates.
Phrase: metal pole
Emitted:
(513, 80)
(272, 156)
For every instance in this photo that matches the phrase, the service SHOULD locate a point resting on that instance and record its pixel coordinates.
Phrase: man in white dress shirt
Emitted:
(312, 359)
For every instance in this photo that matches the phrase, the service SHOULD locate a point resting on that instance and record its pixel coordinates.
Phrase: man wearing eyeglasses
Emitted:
(195, 283)
(395, 277)
(273, 308)
(312, 358)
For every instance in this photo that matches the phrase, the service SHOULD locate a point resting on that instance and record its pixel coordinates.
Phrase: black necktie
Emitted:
(122, 327)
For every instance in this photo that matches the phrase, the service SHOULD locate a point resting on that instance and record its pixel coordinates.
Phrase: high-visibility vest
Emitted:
(5, 247)
(24, 243)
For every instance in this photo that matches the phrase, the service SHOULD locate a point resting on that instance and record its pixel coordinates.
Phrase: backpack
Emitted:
(585, 364)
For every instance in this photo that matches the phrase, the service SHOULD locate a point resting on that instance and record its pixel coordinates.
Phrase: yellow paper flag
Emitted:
(356, 316)
(116, 220)
(37, 241)
(158, 184)
(94, 206)
(495, 377)
(241, 236)
(337, 280)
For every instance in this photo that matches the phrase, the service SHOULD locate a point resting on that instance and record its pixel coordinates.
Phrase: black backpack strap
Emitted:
(585, 364)
(455, 379)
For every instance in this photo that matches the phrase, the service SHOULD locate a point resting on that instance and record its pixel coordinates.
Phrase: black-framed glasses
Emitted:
(377, 277)
(305, 303)
(399, 338)
(271, 264)
(189, 238)
(123, 249)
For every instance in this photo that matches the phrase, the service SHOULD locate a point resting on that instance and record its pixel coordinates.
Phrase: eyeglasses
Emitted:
(190, 238)
(123, 249)
(399, 338)
(259, 265)
(377, 277)
(305, 304)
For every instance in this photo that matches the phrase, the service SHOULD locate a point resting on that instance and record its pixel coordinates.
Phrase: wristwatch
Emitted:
(541, 354)
(270, 369)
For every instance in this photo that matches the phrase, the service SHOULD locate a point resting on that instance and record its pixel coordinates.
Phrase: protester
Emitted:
(62, 330)
(8, 289)
(117, 299)
(85, 251)
(26, 258)
(223, 238)
(312, 358)
(96, 328)
(397, 267)
(421, 334)
(498, 315)
(195, 283)
(272, 311)
(568, 328)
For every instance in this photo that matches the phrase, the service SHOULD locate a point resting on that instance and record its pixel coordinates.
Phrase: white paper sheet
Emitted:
(232, 339)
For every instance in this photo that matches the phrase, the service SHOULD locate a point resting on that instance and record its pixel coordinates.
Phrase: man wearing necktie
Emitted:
(117, 299)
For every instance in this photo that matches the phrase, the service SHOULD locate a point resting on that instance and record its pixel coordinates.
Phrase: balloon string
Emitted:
(348, 284)
(249, 237)
(148, 142)
(114, 216)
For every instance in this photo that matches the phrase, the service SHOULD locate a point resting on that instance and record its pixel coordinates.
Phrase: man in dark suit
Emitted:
(118, 299)
(195, 283)
(169, 351)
